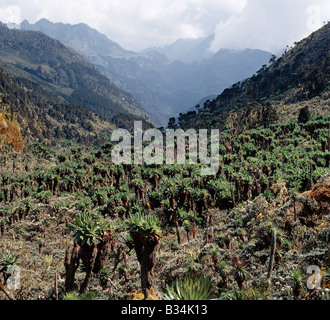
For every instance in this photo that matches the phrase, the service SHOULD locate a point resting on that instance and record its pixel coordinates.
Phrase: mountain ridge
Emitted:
(38, 116)
(48, 62)
(278, 91)
(186, 50)
(150, 76)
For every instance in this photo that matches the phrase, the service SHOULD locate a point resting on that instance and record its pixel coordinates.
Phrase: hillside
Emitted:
(275, 93)
(77, 226)
(38, 116)
(273, 182)
(9, 134)
(77, 36)
(164, 87)
(35, 56)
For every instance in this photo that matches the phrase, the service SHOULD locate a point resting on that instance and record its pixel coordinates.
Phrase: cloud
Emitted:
(270, 25)
(157, 23)
(137, 24)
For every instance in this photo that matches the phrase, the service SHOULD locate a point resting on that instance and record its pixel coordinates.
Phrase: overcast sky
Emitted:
(139, 24)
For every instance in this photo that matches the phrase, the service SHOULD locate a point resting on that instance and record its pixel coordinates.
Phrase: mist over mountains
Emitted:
(187, 50)
(165, 81)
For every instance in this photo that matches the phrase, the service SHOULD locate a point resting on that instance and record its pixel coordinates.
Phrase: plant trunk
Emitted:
(225, 281)
(88, 254)
(209, 229)
(107, 245)
(240, 284)
(271, 257)
(146, 248)
(71, 264)
(233, 197)
(41, 246)
(177, 229)
(195, 226)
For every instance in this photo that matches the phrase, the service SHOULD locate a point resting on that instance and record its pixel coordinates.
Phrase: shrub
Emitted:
(191, 287)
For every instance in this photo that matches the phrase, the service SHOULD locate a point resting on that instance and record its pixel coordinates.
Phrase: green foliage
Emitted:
(90, 295)
(89, 228)
(297, 282)
(7, 260)
(269, 196)
(71, 296)
(105, 273)
(44, 196)
(250, 293)
(61, 204)
(147, 225)
(174, 245)
(191, 287)
(83, 204)
(234, 295)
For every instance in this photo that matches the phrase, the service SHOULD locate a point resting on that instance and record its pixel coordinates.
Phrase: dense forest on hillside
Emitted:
(272, 182)
(42, 117)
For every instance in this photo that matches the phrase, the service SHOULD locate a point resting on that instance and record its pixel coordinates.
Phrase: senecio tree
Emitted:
(93, 242)
(145, 232)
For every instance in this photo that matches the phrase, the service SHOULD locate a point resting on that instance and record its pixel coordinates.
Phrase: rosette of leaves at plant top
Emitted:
(190, 287)
(146, 225)
(89, 228)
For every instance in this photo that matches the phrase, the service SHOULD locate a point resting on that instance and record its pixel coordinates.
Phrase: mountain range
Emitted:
(69, 76)
(52, 92)
(165, 81)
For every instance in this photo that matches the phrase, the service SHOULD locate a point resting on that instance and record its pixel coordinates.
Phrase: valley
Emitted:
(80, 227)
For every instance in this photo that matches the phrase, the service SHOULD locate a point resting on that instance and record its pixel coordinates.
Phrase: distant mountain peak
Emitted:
(73, 35)
(187, 50)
